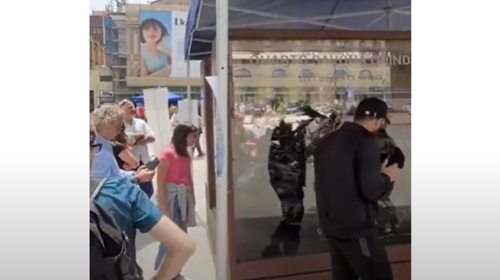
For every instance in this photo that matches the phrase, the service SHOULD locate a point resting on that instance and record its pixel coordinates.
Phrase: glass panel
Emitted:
(275, 205)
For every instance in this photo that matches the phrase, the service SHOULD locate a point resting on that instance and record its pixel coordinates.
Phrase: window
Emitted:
(122, 61)
(105, 78)
(122, 47)
(306, 73)
(242, 73)
(365, 75)
(279, 73)
(342, 75)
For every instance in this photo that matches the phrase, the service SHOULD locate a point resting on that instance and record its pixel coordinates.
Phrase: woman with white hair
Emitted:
(108, 122)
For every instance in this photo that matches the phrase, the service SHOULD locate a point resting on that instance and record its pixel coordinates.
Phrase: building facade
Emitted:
(110, 40)
(119, 52)
(97, 28)
(100, 77)
(317, 73)
(97, 53)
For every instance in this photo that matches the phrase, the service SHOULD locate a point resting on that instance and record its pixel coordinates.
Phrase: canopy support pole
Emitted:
(222, 42)
(189, 97)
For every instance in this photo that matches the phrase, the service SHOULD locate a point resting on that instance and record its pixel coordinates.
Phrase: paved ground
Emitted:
(201, 265)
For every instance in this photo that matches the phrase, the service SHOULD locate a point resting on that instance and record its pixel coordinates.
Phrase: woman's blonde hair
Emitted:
(107, 115)
(92, 133)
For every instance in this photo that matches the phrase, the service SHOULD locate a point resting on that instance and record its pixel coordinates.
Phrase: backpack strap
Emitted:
(95, 186)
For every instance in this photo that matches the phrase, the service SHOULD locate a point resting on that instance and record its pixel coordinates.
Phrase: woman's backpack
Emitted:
(109, 258)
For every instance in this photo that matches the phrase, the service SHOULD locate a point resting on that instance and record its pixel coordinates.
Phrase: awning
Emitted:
(375, 15)
(172, 98)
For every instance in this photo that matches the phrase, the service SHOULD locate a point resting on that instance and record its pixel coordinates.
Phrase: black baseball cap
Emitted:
(372, 107)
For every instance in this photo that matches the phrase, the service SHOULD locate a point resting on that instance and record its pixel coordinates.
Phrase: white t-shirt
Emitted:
(140, 152)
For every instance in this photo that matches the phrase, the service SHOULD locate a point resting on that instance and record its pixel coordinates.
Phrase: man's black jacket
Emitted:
(348, 181)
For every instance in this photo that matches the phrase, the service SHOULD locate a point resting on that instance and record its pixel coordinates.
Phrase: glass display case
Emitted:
(271, 84)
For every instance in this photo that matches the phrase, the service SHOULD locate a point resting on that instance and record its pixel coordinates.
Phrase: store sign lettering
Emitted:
(179, 21)
(335, 59)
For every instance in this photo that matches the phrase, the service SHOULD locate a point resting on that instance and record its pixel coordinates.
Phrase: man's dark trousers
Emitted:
(363, 258)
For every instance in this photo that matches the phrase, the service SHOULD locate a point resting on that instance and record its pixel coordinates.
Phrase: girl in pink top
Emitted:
(174, 181)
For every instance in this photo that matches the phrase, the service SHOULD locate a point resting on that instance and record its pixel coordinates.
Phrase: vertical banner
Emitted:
(156, 106)
(219, 112)
(161, 46)
(183, 111)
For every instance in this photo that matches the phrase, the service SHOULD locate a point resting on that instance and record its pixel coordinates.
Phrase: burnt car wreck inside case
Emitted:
(393, 222)
(288, 156)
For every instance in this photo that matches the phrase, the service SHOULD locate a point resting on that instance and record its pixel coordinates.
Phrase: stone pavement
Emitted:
(201, 265)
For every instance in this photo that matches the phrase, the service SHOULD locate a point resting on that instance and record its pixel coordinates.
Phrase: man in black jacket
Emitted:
(349, 181)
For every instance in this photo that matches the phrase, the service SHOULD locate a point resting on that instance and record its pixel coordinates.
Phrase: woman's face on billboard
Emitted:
(152, 34)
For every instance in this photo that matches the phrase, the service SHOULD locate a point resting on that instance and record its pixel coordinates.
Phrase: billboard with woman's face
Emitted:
(160, 52)
(155, 36)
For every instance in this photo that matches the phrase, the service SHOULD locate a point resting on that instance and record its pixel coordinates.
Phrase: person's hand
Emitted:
(138, 136)
(142, 141)
(391, 171)
(144, 175)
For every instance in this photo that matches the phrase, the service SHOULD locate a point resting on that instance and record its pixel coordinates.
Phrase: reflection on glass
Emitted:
(285, 97)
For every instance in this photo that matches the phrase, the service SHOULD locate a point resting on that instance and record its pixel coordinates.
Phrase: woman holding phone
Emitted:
(122, 152)
(175, 183)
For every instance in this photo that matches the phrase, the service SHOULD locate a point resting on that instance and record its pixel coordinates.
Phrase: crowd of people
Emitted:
(121, 174)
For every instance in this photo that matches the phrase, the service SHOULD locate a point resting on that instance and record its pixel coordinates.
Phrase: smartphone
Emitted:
(153, 163)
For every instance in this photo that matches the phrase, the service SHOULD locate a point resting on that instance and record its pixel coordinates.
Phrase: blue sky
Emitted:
(99, 4)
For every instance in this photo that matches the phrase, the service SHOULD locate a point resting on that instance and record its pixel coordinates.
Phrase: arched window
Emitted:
(279, 73)
(306, 73)
(341, 75)
(242, 73)
(365, 75)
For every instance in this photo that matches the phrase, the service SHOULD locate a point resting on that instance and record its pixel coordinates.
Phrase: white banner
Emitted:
(219, 112)
(156, 106)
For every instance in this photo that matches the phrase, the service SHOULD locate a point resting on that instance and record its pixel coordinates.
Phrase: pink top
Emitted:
(179, 170)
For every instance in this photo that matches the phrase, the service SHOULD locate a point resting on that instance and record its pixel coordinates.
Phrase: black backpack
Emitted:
(109, 258)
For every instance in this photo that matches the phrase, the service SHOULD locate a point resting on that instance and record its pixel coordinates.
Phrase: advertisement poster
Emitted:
(161, 46)
(220, 147)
